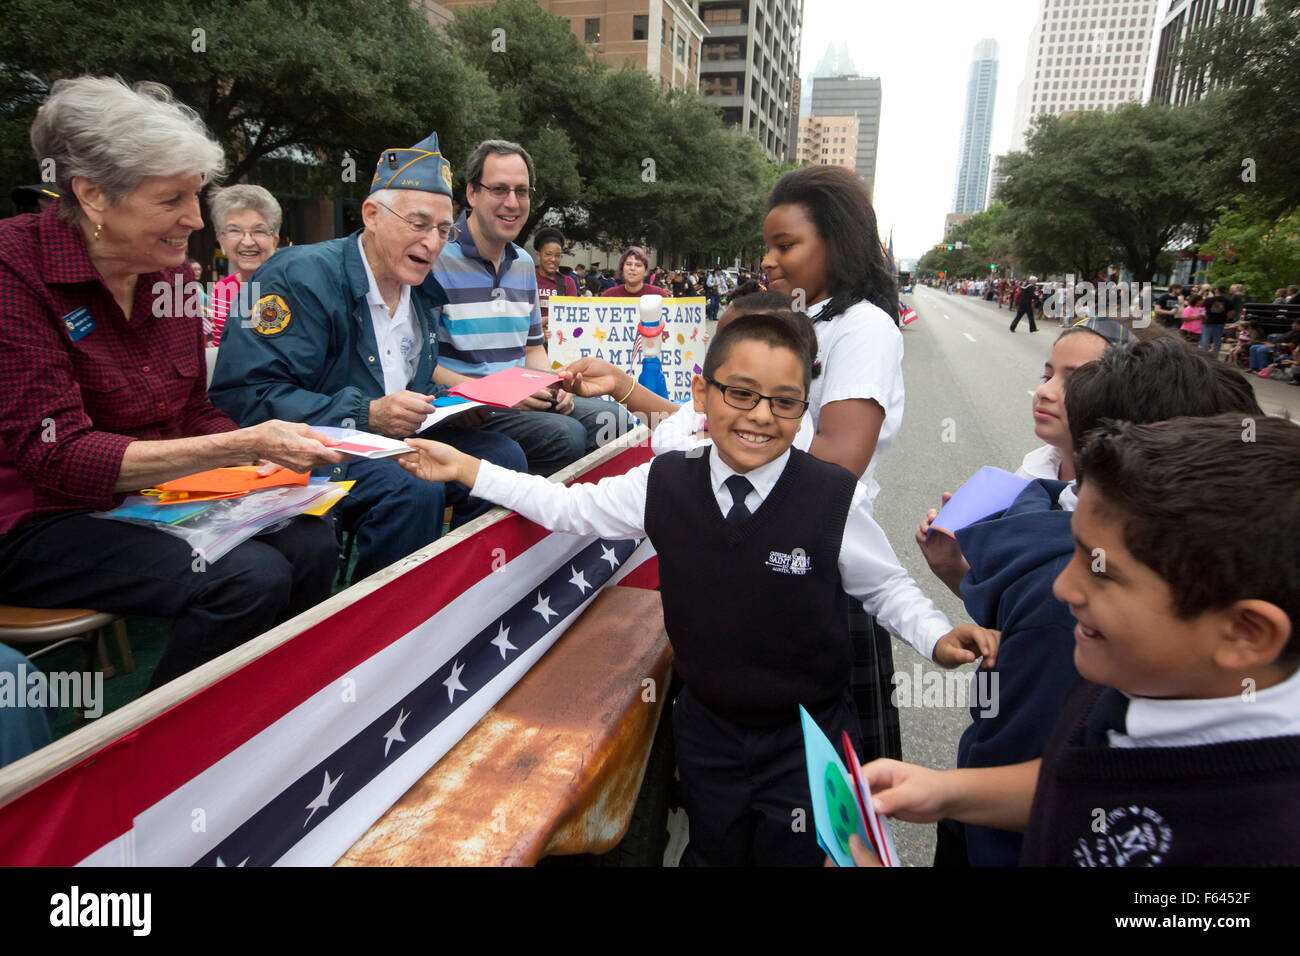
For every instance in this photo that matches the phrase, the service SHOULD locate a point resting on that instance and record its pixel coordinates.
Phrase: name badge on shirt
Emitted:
(79, 323)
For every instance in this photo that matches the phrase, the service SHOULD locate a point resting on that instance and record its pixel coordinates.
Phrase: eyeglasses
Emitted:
(446, 231)
(522, 193)
(235, 234)
(747, 398)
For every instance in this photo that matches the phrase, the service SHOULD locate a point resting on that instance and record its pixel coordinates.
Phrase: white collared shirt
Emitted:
(861, 354)
(1274, 712)
(1045, 462)
(615, 508)
(397, 335)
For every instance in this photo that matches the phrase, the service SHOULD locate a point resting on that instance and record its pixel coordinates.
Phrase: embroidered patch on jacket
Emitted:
(272, 315)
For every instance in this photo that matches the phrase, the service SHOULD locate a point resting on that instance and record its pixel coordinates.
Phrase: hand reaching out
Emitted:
(964, 643)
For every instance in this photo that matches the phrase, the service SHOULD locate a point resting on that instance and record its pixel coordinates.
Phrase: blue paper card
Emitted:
(447, 400)
(835, 809)
(985, 493)
(79, 323)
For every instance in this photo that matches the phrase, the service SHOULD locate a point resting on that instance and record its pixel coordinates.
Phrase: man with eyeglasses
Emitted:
(344, 334)
(492, 319)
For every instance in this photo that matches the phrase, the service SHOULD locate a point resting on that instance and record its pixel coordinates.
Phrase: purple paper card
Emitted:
(986, 492)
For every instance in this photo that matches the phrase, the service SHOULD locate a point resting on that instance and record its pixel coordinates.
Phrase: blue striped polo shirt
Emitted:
(490, 316)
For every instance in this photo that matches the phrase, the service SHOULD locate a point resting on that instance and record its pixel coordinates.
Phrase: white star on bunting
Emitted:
(543, 607)
(322, 798)
(453, 683)
(579, 580)
(607, 554)
(502, 640)
(395, 732)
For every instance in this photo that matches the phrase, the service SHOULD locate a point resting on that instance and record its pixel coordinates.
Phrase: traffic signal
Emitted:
(950, 248)
(992, 266)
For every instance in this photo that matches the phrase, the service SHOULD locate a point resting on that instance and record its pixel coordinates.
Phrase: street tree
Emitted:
(1131, 179)
(1253, 67)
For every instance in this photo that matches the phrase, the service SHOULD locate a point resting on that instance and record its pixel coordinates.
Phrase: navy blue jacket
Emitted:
(308, 353)
(1014, 558)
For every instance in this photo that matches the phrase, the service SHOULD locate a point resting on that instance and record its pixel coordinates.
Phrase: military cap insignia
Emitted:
(446, 175)
(272, 315)
(392, 160)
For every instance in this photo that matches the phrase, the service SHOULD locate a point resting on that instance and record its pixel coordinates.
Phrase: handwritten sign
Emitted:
(606, 328)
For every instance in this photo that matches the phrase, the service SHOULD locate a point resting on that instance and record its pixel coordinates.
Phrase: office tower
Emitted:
(750, 62)
(1084, 55)
(828, 141)
(857, 96)
(1185, 18)
(977, 130)
(662, 37)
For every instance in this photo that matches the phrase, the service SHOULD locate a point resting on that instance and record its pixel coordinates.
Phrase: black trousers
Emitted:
(872, 685)
(1024, 310)
(76, 560)
(746, 790)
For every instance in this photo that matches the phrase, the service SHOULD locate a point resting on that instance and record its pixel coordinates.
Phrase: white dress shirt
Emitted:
(1045, 462)
(615, 508)
(396, 335)
(861, 352)
(1274, 712)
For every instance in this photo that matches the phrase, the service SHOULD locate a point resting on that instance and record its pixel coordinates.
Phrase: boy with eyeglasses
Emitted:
(760, 548)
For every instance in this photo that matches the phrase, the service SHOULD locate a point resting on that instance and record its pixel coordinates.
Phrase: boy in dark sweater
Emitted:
(760, 548)
(1180, 745)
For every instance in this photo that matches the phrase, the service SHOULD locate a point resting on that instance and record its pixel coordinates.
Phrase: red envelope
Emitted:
(506, 388)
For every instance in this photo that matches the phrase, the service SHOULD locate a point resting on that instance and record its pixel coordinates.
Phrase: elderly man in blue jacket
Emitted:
(342, 334)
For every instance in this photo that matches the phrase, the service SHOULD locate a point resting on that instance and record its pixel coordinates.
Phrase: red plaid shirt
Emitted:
(69, 408)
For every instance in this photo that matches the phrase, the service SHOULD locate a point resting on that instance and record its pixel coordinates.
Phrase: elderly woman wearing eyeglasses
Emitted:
(102, 387)
(247, 222)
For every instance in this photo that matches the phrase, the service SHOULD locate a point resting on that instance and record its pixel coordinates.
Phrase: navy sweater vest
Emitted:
(757, 615)
(1228, 804)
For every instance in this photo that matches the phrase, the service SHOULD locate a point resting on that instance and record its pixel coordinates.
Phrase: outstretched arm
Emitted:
(998, 797)
(614, 507)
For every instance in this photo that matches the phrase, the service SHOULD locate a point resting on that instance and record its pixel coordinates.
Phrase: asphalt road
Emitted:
(968, 383)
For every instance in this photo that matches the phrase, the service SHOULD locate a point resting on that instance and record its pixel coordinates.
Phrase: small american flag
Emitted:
(906, 314)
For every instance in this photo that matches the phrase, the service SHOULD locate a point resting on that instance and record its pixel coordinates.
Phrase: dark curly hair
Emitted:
(838, 204)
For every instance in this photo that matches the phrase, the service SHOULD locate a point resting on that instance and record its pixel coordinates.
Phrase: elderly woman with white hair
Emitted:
(247, 221)
(102, 387)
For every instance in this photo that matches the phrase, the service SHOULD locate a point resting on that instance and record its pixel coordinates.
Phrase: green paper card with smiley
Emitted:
(835, 809)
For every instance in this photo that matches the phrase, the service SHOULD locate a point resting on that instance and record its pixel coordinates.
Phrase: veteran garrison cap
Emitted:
(417, 167)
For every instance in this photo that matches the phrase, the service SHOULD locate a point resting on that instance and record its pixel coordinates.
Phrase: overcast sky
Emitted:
(921, 50)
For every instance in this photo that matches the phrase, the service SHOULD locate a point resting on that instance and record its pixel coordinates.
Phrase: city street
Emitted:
(968, 380)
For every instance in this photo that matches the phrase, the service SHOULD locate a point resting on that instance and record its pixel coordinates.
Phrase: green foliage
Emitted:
(1261, 253)
(1258, 63)
(1125, 183)
(290, 88)
(316, 80)
(986, 239)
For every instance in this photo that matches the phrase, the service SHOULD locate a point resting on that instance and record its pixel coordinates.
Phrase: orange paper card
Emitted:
(240, 479)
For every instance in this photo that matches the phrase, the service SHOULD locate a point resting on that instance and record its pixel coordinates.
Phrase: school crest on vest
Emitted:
(1129, 836)
(796, 562)
(272, 314)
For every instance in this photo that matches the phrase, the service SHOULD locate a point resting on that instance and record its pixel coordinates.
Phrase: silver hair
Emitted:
(114, 135)
(233, 199)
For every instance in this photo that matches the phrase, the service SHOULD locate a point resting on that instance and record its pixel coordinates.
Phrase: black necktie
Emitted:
(1109, 712)
(739, 487)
